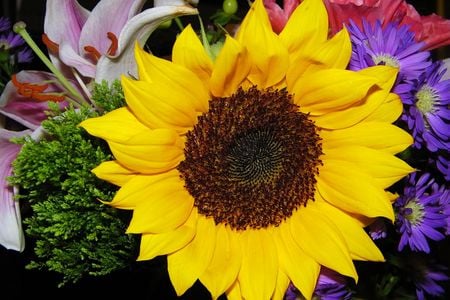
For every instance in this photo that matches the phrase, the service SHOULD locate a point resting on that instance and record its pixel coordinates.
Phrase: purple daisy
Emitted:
(11, 41)
(445, 202)
(5, 24)
(378, 230)
(426, 276)
(419, 213)
(391, 45)
(427, 112)
(442, 161)
(25, 55)
(330, 286)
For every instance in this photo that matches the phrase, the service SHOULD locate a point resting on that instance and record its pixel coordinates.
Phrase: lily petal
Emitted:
(137, 29)
(65, 29)
(25, 110)
(95, 30)
(11, 234)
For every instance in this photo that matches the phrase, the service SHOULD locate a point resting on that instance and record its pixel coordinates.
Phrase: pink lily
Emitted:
(11, 234)
(98, 45)
(24, 100)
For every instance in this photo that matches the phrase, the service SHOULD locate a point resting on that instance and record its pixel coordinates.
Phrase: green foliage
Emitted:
(72, 231)
(108, 97)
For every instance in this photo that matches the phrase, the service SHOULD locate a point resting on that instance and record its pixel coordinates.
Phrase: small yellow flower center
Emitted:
(386, 59)
(252, 159)
(416, 212)
(426, 98)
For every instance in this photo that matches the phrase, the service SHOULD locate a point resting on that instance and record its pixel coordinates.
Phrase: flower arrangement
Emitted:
(295, 151)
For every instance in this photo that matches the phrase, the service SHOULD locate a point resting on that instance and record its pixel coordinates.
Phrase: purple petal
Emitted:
(11, 234)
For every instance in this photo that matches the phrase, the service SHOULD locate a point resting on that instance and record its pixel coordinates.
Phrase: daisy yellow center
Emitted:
(416, 212)
(386, 60)
(426, 98)
(252, 159)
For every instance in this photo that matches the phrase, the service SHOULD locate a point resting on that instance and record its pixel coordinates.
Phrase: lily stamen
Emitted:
(51, 45)
(93, 51)
(35, 91)
(114, 43)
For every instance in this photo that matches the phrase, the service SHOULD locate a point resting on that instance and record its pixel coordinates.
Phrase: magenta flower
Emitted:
(278, 16)
(433, 30)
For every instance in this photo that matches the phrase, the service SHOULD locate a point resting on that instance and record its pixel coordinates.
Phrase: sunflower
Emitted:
(255, 168)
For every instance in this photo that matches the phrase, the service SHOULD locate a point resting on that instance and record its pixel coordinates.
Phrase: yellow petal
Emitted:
(307, 28)
(281, 287)
(376, 135)
(334, 53)
(386, 75)
(166, 206)
(187, 264)
(158, 151)
(383, 167)
(352, 115)
(359, 243)
(322, 241)
(345, 186)
(231, 67)
(234, 292)
(159, 105)
(389, 111)
(129, 196)
(258, 273)
(113, 172)
(342, 89)
(302, 270)
(153, 245)
(189, 52)
(269, 56)
(117, 125)
(153, 69)
(223, 269)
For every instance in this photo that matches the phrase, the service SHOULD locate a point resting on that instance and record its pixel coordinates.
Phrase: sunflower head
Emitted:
(255, 169)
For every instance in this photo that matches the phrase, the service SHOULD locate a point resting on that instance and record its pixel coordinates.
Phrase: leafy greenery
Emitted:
(72, 231)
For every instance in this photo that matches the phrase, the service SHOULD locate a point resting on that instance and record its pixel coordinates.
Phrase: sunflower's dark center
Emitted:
(255, 158)
(252, 159)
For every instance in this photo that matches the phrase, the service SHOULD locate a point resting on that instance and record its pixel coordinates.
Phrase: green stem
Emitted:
(179, 24)
(205, 39)
(19, 28)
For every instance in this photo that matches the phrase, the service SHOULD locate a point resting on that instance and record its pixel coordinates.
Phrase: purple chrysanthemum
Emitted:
(426, 276)
(378, 230)
(11, 41)
(445, 202)
(330, 286)
(391, 45)
(5, 24)
(25, 55)
(427, 112)
(442, 161)
(419, 213)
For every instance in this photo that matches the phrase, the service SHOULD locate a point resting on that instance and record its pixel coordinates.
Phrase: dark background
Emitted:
(143, 280)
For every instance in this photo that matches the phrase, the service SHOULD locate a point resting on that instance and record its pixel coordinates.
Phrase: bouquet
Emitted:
(295, 151)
